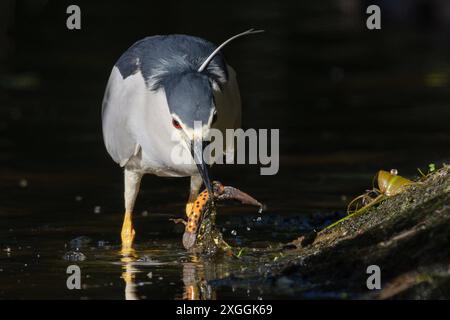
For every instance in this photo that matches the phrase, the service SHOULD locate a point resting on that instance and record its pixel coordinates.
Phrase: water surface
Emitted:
(347, 103)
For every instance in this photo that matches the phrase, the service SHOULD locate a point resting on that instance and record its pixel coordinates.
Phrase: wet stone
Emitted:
(79, 242)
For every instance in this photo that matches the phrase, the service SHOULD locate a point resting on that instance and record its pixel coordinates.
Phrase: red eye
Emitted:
(176, 124)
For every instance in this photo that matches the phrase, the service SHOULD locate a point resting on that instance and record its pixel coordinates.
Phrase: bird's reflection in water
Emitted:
(195, 280)
(129, 271)
(196, 274)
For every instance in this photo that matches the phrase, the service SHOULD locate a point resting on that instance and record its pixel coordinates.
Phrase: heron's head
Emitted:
(191, 105)
(189, 90)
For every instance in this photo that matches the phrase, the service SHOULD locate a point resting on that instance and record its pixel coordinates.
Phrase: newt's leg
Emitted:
(132, 184)
(196, 183)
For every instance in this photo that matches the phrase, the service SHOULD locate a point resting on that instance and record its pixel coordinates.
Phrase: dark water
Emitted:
(347, 101)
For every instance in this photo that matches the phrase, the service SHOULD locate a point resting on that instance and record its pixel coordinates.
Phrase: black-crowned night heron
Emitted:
(156, 90)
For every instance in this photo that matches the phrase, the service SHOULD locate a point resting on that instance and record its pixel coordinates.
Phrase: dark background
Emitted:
(348, 101)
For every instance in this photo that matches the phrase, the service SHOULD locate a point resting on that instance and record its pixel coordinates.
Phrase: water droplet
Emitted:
(248, 228)
(78, 198)
(23, 183)
(233, 232)
(149, 275)
(97, 209)
(144, 213)
(394, 172)
(258, 219)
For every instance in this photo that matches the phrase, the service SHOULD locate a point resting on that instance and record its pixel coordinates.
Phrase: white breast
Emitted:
(155, 141)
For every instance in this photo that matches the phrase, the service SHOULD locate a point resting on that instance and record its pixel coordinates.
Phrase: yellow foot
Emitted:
(127, 233)
(128, 253)
(189, 207)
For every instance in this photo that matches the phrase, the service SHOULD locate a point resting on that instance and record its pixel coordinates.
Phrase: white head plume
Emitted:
(211, 56)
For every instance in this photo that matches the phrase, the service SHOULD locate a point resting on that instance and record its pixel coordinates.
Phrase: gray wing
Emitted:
(122, 98)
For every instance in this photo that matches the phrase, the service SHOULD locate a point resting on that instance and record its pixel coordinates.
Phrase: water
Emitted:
(38, 246)
(347, 103)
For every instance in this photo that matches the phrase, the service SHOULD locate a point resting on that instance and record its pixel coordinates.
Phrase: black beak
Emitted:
(197, 154)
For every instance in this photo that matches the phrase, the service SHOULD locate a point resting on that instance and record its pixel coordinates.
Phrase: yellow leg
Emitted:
(127, 234)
